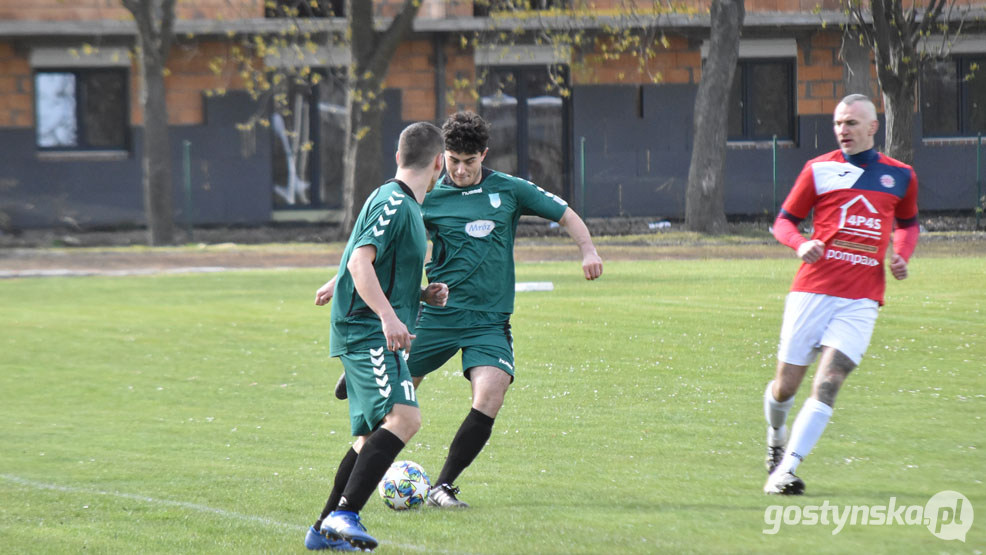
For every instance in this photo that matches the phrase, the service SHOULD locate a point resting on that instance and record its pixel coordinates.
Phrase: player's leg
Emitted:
(377, 454)
(801, 331)
(489, 387)
(387, 416)
(778, 398)
(314, 540)
(846, 338)
(833, 368)
(488, 363)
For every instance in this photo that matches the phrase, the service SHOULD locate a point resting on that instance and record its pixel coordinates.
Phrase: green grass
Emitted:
(194, 413)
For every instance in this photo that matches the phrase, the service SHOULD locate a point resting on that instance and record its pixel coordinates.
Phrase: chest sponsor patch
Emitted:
(479, 228)
(860, 218)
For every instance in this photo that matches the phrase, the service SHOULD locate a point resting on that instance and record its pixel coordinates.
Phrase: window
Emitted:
(81, 109)
(761, 102)
(304, 8)
(953, 96)
(307, 142)
(529, 121)
(483, 8)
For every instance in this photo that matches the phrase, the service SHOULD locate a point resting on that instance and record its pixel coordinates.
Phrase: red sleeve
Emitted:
(907, 209)
(786, 231)
(801, 199)
(906, 239)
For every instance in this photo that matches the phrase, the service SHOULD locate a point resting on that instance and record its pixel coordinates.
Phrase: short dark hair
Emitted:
(466, 133)
(419, 144)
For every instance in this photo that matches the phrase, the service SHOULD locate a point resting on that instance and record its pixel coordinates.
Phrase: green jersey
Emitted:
(390, 220)
(472, 233)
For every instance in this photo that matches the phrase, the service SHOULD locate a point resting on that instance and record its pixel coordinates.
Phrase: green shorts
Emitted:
(376, 379)
(483, 337)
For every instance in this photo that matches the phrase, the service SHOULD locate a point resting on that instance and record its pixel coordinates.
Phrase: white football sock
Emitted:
(776, 414)
(807, 428)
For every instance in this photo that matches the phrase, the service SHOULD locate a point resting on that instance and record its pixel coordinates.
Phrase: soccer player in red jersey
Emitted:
(861, 198)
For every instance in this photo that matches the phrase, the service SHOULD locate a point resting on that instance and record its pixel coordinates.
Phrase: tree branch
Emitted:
(392, 37)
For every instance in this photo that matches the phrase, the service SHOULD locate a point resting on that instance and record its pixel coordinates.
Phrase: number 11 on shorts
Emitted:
(408, 386)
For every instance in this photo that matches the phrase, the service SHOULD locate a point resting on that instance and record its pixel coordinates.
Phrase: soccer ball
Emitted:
(404, 486)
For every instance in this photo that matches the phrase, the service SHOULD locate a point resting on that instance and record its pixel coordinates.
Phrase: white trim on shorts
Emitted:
(812, 320)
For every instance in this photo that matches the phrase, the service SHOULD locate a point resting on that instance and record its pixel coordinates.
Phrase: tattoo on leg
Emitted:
(832, 374)
(827, 390)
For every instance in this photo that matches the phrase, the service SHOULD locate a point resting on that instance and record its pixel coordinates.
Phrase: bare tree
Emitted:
(894, 33)
(155, 23)
(371, 55)
(704, 206)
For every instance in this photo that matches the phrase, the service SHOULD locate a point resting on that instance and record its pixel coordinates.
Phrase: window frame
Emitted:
(960, 62)
(313, 96)
(81, 74)
(522, 143)
(743, 69)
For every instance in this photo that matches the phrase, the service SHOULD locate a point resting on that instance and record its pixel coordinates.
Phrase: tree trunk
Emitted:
(156, 162)
(899, 112)
(361, 160)
(894, 37)
(155, 22)
(704, 207)
(856, 65)
(371, 55)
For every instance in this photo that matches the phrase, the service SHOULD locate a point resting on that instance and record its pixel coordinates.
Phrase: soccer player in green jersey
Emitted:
(377, 291)
(472, 217)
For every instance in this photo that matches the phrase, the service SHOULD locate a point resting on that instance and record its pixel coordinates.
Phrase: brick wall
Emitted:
(89, 10)
(190, 76)
(16, 89)
(412, 71)
(676, 64)
(819, 74)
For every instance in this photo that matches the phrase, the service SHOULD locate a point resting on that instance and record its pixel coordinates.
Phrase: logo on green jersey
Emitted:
(495, 200)
(479, 228)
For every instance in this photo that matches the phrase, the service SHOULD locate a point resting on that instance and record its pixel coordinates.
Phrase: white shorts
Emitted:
(812, 320)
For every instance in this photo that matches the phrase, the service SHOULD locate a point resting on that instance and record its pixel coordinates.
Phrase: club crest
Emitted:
(495, 200)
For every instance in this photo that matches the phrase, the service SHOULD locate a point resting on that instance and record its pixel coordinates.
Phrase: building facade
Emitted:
(595, 105)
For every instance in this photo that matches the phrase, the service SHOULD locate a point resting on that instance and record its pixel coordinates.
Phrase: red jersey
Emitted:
(856, 203)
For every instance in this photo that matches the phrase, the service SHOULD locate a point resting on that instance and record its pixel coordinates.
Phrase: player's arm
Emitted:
(905, 240)
(324, 293)
(592, 264)
(906, 230)
(796, 206)
(786, 232)
(365, 281)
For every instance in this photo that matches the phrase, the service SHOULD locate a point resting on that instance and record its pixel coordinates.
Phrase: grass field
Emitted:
(194, 414)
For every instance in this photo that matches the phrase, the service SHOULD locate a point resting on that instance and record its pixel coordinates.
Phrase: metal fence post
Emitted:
(187, 167)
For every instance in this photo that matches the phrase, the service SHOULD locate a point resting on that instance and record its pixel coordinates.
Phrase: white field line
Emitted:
(519, 287)
(10, 274)
(189, 506)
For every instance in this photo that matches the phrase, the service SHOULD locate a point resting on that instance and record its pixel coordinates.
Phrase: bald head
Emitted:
(864, 102)
(855, 124)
